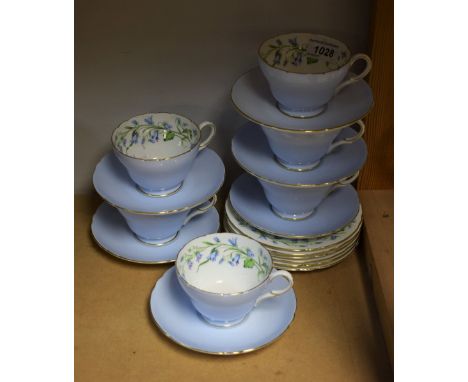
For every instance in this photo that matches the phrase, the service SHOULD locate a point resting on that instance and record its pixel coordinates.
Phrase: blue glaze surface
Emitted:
(112, 233)
(175, 315)
(252, 97)
(112, 182)
(252, 151)
(249, 201)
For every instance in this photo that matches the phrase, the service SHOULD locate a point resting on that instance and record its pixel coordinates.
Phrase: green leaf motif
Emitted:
(169, 136)
(249, 263)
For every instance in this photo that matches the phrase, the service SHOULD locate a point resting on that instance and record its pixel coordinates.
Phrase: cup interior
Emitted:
(224, 263)
(156, 136)
(304, 53)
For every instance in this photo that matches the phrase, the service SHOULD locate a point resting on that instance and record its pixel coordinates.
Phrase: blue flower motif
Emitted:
(149, 120)
(125, 142)
(333, 237)
(190, 264)
(154, 136)
(293, 41)
(134, 137)
(233, 241)
(166, 126)
(213, 256)
(235, 260)
(216, 239)
(135, 122)
(221, 260)
(143, 140)
(198, 256)
(277, 58)
(250, 253)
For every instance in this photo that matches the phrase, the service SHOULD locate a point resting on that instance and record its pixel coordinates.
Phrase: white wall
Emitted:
(133, 57)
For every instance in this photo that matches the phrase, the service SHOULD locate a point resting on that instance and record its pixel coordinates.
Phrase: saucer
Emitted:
(293, 245)
(252, 151)
(334, 213)
(176, 317)
(113, 235)
(253, 99)
(112, 182)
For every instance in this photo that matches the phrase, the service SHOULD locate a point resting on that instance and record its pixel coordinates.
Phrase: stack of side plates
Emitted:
(299, 254)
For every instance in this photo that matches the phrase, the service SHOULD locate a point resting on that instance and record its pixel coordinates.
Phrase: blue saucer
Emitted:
(112, 234)
(112, 182)
(176, 317)
(252, 151)
(335, 212)
(252, 97)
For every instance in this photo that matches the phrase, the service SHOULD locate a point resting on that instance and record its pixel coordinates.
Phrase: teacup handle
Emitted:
(353, 79)
(212, 133)
(344, 182)
(201, 209)
(347, 141)
(279, 292)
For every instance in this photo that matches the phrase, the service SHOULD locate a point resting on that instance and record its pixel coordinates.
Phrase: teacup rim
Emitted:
(156, 159)
(307, 33)
(180, 277)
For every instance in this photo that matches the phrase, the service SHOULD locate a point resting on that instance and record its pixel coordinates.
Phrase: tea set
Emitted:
(294, 208)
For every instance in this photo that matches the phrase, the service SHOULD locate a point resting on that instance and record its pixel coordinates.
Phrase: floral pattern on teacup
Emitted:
(150, 132)
(303, 53)
(225, 254)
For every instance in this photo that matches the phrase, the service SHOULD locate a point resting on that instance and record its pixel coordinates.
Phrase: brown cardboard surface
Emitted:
(335, 336)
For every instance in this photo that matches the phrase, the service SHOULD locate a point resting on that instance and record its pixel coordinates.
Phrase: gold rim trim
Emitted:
(310, 34)
(156, 159)
(294, 131)
(167, 212)
(296, 236)
(296, 185)
(130, 260)
(238, 352)
(228, 206)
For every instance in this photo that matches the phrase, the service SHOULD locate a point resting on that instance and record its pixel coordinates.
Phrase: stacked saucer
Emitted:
(300, 151)
(160, 184)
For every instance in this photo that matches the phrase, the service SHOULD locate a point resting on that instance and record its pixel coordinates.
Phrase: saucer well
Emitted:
(252, 151)
(114, 236)
(176, 317)
(292, 245)
(113, 183)
(334, 213)
(252, 98)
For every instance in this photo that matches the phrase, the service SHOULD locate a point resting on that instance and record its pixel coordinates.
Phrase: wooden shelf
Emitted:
(336, 335)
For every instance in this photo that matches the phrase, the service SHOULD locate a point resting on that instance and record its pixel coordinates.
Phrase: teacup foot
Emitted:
(286, 216)
(160, 193)
(297, 167)
(300, 113)
(222, 324)
(157, 242)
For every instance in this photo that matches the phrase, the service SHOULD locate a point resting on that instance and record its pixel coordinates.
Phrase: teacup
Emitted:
(296, 202)
(302, 151)
(160, 229)
(227, 275)
(306, 70)
(158, 150)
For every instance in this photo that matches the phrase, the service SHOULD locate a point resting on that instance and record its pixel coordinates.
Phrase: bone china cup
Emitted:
(306, 70)
(226, 276)
(296, 202)
(158, 150)
(159, 229)
(301, 151)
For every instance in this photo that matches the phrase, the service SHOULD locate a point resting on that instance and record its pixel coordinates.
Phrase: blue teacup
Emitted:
(226, 276)
(158, 150)
(160, 229)
(302, 150)
(294, 202)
